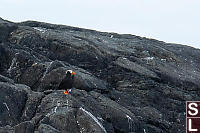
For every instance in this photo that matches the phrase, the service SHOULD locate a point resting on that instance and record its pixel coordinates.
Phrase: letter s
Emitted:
(193, 108)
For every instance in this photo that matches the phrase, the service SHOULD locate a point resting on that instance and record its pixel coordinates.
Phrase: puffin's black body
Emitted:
(67, 82)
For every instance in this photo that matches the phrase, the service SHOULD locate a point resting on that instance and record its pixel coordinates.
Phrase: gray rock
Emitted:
(5, 29)
(24, 127)
(5, 79)
(88, 123)
(7, 129)
(125, 63)
(44, 128)
(12, 101)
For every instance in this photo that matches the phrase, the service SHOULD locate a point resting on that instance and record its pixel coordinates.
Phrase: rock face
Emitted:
(123, 83)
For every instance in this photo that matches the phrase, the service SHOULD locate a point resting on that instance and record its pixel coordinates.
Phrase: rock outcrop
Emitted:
(123, 83)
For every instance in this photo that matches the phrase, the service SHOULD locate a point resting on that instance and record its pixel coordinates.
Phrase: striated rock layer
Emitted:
(123, 83)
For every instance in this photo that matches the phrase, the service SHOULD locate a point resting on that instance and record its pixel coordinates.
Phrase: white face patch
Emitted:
(69, 71)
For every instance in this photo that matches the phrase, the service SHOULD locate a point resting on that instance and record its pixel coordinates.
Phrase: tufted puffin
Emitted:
(67, 82)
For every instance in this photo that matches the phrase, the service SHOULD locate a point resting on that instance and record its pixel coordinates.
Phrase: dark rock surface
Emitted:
(123, 83)
(25, 127)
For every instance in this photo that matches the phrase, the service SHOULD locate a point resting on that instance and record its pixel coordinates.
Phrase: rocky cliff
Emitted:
(123, 83)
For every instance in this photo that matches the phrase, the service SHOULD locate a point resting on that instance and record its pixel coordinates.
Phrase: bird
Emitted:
(67, 82)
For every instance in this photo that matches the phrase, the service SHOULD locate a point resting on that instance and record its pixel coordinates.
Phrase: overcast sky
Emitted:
(175, 21)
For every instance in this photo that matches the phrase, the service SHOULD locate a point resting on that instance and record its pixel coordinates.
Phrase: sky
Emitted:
(172, 21)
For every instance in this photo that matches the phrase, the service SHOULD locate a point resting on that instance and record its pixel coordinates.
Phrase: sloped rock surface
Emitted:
(24, 127)
(123, 83)
(12, 100)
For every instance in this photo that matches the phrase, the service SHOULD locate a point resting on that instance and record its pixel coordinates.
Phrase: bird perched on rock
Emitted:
(67, 82)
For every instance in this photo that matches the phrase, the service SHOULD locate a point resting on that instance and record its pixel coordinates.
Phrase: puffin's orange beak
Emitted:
(73, 73)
